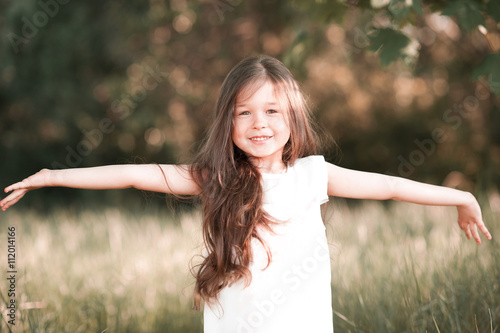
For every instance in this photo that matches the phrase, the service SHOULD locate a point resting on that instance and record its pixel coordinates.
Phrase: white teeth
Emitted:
(260, 138)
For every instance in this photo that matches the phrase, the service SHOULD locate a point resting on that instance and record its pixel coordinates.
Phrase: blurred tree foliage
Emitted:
(102, 82)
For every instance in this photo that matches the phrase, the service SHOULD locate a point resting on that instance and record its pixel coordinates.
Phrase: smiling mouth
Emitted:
(260, 138)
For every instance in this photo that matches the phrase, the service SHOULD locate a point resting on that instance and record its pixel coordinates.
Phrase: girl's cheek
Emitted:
(280, 124)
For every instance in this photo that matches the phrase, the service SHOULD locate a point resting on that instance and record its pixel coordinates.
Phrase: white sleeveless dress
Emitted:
(293, 294)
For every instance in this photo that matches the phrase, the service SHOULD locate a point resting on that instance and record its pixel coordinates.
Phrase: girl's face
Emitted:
(260, 127)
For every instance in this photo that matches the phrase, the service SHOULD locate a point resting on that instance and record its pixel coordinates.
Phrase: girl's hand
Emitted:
(469, 219)
(33, 182)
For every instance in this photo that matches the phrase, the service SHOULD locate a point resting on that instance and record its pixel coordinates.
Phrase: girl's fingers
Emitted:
(16, 186)
(5, 202)
(466, 229)
(484, 230)
(12, 199)
(471, 230)
(475, 234)
(11, 188)
(4, 205)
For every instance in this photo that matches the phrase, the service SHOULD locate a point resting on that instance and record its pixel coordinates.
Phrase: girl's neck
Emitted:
(276, 167)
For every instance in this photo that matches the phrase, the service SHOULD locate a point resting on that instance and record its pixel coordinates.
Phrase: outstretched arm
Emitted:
(149, 177)
(364, 185)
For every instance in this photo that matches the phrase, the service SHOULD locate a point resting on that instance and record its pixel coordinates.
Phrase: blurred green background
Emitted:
(104, 82)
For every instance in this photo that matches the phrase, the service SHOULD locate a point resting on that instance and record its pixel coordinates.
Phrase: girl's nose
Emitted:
(259, 121)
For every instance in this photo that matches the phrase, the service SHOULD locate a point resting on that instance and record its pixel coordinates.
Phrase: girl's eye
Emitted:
(244, 113)
(272, 111)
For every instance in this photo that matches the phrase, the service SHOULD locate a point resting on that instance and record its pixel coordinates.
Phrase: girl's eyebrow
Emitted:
(272, 103)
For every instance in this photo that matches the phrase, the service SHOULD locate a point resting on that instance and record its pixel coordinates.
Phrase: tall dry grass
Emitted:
(395, 268)
(103, 271)
(409, 268)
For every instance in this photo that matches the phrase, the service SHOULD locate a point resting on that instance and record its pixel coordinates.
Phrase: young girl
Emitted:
(266, 266)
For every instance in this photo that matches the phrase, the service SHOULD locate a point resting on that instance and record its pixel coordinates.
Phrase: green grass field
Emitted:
(395, 268)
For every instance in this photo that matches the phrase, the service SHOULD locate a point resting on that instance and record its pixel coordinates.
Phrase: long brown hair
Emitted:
(230, 184)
